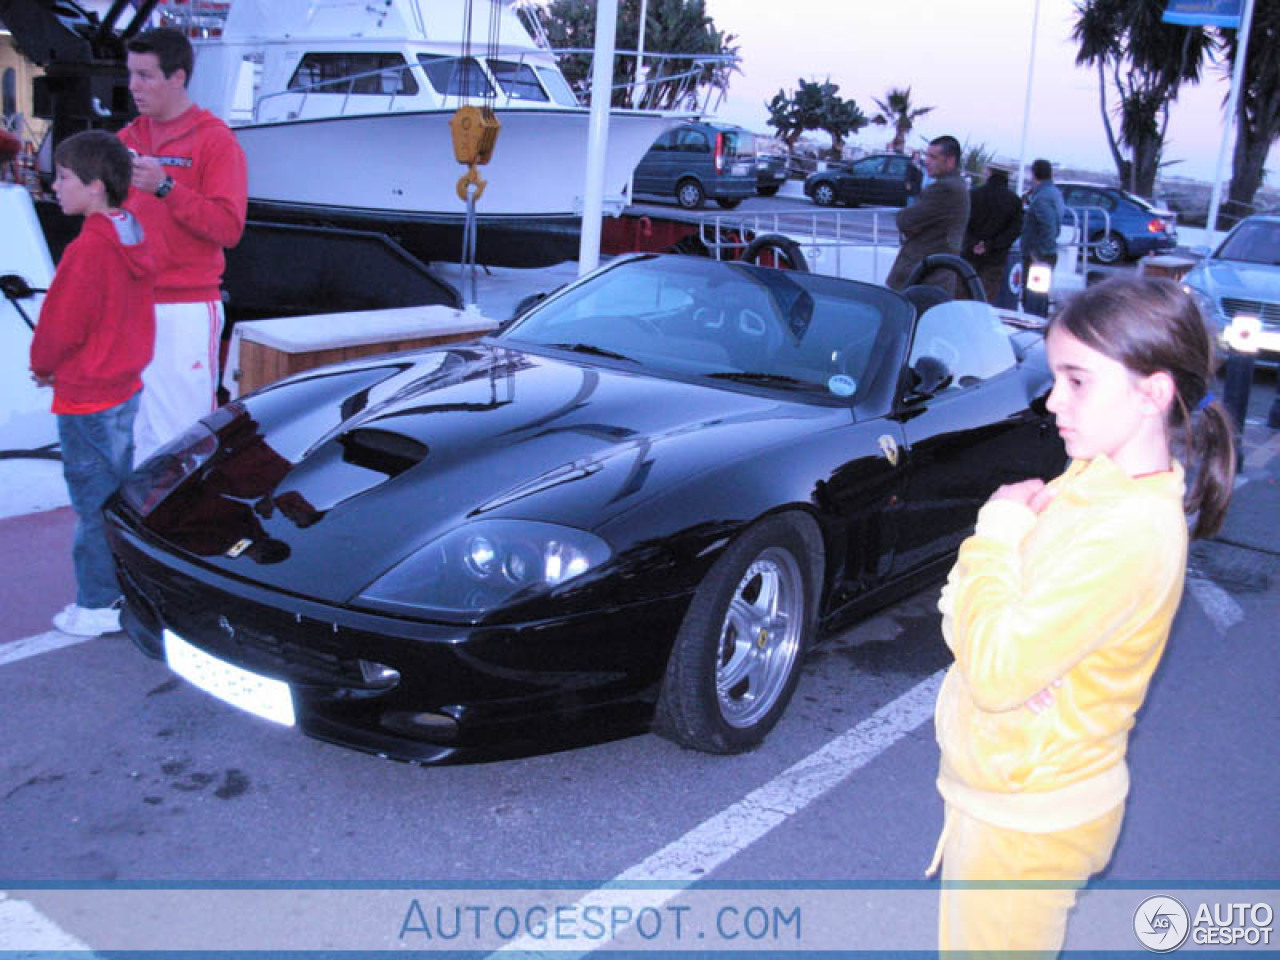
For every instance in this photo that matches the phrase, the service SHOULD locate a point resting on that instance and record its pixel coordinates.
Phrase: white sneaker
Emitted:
(87, 621)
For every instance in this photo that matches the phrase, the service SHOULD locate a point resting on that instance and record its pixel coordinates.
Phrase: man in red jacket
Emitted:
(190, 191)
(95, 336)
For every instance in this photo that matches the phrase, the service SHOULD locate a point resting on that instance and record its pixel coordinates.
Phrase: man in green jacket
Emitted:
(936, 222)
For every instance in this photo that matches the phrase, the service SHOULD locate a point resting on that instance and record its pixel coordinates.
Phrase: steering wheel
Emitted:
(957, 265)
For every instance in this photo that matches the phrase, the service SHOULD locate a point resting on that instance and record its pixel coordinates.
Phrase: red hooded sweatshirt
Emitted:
(97, 326)
(203, 213)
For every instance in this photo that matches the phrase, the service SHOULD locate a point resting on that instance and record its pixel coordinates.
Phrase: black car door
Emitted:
(859, 184)
(893, 190)
(981, 430)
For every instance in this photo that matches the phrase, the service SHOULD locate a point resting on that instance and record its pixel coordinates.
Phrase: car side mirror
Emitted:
(1201, 252)
(929, 377)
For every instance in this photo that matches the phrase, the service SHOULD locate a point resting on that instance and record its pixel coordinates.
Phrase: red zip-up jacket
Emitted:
(203, 214)
(97, 326)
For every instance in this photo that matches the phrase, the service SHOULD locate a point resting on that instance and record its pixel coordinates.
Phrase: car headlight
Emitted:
(1214, 320)
(482, 565)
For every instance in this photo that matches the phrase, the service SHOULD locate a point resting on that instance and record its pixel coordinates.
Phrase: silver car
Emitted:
(1242, 278)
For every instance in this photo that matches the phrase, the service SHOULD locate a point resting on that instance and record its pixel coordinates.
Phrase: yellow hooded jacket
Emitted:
(1083, 593)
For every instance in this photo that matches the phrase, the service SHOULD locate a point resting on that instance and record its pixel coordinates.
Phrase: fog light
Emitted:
(379, 674)
(431, 727)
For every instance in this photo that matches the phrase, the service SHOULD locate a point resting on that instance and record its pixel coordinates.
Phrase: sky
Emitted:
(968, 59)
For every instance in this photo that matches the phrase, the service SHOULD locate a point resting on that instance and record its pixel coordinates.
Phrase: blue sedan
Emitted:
(1120, 225)
(1242, 277)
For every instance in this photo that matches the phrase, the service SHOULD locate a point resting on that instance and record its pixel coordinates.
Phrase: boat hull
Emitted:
(404, 162)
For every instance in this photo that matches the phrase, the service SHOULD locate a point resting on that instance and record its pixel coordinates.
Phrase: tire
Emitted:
(690, 195)
(1109, 248)
(784, 252)
(767, 191)
(824, 195)
(736, 660)
(726, 204)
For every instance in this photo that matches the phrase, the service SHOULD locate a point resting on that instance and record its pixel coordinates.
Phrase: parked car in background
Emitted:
(697, 162)
(879, 179)
(1242, 277)
(1132, 228)
(771, 174)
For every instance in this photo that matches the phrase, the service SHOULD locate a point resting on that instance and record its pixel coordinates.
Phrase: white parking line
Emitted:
(1218, 605)
(34, 646)
(692, 857)
(21, 923)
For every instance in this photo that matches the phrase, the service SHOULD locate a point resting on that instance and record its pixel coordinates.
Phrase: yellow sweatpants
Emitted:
(1032, 919)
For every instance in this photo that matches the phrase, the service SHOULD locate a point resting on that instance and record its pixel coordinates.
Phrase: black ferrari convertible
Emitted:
(635, 506)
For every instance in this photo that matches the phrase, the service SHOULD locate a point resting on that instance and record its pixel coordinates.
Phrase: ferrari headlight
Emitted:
(485, 564)
(162, 472)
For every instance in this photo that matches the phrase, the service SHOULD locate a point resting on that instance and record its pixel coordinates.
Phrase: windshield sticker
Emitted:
(842, 386)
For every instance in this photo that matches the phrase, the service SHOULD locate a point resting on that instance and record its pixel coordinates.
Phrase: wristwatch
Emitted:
(166, 185)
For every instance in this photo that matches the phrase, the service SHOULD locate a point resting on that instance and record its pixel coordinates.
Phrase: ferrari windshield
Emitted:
(731, 322)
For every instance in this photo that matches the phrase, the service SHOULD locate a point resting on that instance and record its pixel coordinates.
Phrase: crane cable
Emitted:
(475, 133)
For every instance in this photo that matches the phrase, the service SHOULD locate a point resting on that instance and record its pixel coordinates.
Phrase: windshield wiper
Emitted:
(766, 379)
(592, 350)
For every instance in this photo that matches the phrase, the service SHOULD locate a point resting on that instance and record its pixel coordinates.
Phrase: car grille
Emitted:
(301, 664)
(254, 637)
(1268, 313)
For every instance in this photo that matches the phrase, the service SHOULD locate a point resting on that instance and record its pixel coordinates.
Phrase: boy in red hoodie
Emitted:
(95, 336)
(190, 189)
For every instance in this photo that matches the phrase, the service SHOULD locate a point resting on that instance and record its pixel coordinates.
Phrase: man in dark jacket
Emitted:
(1042, 221)
(935, 224)
(995, 220)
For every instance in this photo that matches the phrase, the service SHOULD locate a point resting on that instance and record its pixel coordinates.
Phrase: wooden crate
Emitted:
(265, 351)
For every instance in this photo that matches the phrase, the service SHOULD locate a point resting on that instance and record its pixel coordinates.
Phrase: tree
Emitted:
(896, 108)
(671, 27)
(1145, 61)
(1258, 110)
(815, 106)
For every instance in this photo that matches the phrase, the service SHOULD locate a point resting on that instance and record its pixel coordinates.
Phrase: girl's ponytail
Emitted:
(1213, 446)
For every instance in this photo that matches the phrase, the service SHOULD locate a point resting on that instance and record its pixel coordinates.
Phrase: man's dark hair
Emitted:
(98, 155)
(171, 47)
(949, 146)
(1042, 170)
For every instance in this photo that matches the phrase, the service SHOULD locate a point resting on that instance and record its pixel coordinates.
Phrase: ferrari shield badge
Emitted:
(889, 447)
(240, 546)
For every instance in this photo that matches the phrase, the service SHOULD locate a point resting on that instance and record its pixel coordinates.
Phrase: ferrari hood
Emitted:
(486, 431)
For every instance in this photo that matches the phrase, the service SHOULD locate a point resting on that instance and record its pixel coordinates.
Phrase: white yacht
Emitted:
(343, 111)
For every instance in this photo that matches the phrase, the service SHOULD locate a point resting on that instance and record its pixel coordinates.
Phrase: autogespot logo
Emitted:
(1161, 924)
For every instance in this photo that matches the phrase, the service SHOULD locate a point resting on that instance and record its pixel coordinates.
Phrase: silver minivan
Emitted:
(700, 161)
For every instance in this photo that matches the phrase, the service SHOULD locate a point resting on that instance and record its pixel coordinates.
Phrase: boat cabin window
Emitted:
(456, 76)
(353, 72)
(517, 80)
(555, 82)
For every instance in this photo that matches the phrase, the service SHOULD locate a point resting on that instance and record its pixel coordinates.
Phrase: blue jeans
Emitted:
(97, 455)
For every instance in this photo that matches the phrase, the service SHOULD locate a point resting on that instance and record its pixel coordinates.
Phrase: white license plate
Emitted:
(262, 696)
(741, 169)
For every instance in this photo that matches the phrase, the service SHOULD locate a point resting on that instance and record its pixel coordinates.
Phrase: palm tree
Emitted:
(671, 26)
(896, 108)
(1258, 111)
(1145, 60)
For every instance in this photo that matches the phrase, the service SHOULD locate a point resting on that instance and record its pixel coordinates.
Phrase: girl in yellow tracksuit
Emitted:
(1058, 610)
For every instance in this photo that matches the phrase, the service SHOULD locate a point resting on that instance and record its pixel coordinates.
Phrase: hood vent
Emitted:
(382, 450)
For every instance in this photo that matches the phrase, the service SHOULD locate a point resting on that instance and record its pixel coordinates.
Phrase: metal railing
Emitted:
(826, 232)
